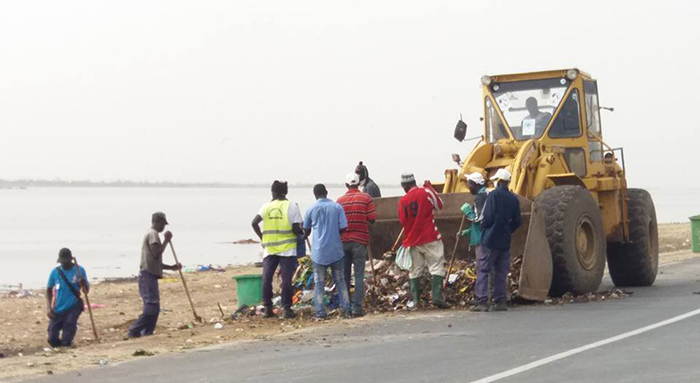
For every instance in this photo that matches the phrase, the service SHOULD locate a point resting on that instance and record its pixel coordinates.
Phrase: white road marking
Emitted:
(587, 347)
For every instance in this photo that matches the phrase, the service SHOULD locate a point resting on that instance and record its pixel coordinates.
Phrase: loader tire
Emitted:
(636, 263)
(576, 237)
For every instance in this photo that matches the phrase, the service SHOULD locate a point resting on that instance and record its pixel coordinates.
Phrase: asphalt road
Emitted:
(525, 344)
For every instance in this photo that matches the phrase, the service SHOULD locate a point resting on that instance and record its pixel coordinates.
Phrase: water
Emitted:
(104, 226)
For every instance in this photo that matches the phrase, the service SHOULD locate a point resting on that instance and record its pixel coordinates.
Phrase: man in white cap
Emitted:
(359, 210)
(475, 212)
(417, 215)
(501, 218)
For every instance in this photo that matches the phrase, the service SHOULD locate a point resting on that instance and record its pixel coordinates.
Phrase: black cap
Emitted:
(159, 215)
(64, 255)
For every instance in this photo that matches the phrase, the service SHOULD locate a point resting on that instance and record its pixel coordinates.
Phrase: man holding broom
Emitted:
(63, 301)
(152, 267)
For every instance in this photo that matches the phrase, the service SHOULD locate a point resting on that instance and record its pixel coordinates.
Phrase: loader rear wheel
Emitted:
(636, 263)
(574, 228)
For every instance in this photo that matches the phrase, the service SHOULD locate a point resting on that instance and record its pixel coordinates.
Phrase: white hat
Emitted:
(407, 177)
(352, 179)
(477, 178)
(501, 174)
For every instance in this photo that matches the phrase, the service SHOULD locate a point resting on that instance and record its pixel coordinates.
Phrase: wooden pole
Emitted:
(87, 299)
(371, 263)
(454, 252)
(184, 283)
(398, 240)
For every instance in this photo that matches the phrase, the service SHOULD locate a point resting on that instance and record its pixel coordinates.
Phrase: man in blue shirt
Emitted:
(500, 220)
(63, 301)
(326, 220)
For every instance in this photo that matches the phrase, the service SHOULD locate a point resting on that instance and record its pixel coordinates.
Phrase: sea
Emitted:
(104, 226)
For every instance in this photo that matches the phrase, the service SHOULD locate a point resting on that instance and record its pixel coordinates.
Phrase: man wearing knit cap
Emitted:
(422, 238)
(367, 184)
(281, 222)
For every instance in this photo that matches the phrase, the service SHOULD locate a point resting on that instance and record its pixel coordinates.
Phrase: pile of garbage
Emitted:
(392, 292)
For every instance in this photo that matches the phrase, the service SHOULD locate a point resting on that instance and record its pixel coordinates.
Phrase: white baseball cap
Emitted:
(501, 174)
(352, 179)
(476, 178)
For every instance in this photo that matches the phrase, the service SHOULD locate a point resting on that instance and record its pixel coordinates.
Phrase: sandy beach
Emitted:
(24, 351)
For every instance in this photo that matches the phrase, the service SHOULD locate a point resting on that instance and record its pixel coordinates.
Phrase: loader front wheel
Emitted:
(576, 238)
(636, 263)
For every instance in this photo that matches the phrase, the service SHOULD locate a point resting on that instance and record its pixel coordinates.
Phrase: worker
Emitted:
(151, 270)
(422, 238)
(474, 213)
(500, 220)
(359, 211)
(368, 185)
(63, 302)
(281, 221)
(326, 221)
(535, 122)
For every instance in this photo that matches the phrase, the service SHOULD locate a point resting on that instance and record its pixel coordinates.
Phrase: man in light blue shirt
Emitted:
(326, 220)
(63, 300)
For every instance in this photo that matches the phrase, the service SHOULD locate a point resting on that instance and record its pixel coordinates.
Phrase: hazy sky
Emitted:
(250, 91)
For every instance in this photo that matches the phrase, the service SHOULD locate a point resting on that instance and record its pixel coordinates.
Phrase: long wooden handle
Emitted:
(184, 283)
(398, 240)
(454, 252)
(87, 299)
(371, 263)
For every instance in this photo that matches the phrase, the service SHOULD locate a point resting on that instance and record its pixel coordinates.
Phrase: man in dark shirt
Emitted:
(500, 220)
(368, 185)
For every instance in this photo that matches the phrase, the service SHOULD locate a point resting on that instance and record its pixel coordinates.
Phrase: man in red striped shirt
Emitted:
(359, 210)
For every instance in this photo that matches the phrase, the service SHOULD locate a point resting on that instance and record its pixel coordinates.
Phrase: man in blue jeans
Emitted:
(326, 221)
(63, 300)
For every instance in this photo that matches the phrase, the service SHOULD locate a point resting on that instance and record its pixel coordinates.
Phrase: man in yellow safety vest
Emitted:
(281, 221)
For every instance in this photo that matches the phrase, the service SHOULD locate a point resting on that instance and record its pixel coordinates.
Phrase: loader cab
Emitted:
(556, 108)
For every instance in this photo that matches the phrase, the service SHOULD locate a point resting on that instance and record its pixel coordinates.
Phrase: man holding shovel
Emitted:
(151, 270)
(417, 215)
(63, 301)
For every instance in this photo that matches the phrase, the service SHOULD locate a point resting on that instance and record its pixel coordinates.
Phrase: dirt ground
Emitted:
(24, 351)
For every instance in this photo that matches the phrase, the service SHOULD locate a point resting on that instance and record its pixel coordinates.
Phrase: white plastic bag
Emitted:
(403, 258)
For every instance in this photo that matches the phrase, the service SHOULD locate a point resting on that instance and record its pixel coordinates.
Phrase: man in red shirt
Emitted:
(359, 210)
(422, 238)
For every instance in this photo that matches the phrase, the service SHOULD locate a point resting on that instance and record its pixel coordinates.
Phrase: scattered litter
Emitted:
(104, 362)
(218, 326)
(142, 352)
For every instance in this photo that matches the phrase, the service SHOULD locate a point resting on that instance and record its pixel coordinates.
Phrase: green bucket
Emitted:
(695, 233)
(248, 289)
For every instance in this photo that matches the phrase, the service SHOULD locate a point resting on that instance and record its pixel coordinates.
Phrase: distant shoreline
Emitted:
(26, 184)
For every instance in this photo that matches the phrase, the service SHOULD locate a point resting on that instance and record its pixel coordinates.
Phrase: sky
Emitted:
(252, 91)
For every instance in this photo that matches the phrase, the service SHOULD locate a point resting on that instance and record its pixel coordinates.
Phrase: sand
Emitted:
(23, 321)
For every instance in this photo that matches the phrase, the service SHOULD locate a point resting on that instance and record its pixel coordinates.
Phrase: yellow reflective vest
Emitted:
(278, 236)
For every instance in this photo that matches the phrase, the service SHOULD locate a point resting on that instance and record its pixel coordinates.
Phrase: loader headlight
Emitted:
(485, 80)
(571, 74)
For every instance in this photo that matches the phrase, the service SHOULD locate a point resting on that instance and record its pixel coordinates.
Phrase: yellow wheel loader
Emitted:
(545, 128)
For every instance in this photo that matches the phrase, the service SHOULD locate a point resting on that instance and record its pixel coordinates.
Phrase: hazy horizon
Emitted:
(248, 92)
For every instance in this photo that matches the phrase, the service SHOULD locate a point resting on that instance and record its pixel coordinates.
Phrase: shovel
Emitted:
(184, 283)
(87, 299)
(454, 252)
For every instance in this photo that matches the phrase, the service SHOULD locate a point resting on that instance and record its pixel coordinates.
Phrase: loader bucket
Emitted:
(384, 231)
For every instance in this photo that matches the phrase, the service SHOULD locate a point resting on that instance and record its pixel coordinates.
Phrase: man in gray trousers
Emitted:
(151, 270)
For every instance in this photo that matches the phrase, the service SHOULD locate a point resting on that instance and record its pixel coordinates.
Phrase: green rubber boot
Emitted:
(415, 292)
(436, 293)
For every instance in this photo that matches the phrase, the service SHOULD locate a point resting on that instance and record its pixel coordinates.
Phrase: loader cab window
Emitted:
(495, 130)
(576, 159)
(568, 121)
(590, 93)
(528, 105)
